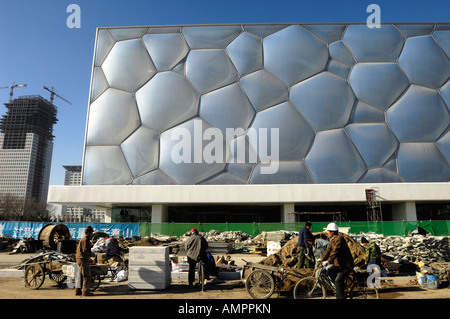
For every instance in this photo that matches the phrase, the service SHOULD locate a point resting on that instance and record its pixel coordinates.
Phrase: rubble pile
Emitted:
(439, 269)
(280, 235)
(417, 248)
(287, 256)
(226, 236)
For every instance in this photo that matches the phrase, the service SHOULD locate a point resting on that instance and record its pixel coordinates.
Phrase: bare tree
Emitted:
(11, 207)
(14, 208)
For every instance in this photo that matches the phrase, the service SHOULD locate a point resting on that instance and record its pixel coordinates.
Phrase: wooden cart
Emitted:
(261, 281)
(46, 263)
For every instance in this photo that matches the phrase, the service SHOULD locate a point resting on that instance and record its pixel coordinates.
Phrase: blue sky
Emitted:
(37, 47)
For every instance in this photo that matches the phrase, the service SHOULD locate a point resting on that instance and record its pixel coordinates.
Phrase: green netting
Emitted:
(388, 228)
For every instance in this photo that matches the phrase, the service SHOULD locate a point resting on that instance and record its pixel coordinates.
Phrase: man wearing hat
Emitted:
(339, 257)
(373, 252)
(83, 257)
(196, 246)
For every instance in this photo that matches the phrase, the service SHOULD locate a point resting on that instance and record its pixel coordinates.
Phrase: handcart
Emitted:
(261, 281)
(45, 263)
(109, 271)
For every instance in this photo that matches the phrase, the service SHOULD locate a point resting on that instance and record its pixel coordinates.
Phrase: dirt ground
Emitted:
(14, 288)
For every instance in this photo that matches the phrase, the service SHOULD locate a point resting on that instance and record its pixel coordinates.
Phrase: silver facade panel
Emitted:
(209, 70)
(128, 65)
(324, 109)
(320, 103)
(246, 53)
(427, 156)
(419, 115)
(375, 142)
(166, 49)
(294, 54)
(264, 89)
(424, 62)
(334, 159)
(227, 107)
(107, 166)
(378, 84)
(374, 45)
(112, 117)
(294, 133)
(166, 100)
(141, 151)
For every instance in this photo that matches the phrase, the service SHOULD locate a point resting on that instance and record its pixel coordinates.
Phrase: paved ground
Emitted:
(14, 288)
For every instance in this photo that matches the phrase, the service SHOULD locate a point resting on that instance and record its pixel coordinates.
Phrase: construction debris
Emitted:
(27, 245)
(288, 255)
(417, 248)
(280, 235)
(226, 236)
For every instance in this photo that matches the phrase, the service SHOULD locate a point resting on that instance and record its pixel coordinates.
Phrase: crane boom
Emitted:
(53, 94)
(14, 85)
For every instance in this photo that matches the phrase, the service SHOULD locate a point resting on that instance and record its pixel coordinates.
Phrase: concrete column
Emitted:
(160, 214)
(404, 211)
(285, 210)
(108, 215)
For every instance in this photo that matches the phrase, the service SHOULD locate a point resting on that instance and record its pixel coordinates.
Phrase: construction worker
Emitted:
(196, 246)
(373, 252)
(340, 259)
(305, 243)
(83, 256)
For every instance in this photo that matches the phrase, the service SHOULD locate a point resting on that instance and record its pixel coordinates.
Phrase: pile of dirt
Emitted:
(148, 241)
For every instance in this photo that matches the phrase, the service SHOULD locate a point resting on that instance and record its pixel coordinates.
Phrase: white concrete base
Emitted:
(287, 195)
(11, 273)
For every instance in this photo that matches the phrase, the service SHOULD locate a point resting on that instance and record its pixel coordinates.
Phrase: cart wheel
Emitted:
(308, 288)
(260, 284)
(95, 282)
(34, 276)
(57, 277)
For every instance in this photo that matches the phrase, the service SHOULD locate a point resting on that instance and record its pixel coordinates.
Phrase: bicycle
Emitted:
(321, 283)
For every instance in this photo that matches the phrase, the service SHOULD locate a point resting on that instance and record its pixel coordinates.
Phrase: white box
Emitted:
(149, 268)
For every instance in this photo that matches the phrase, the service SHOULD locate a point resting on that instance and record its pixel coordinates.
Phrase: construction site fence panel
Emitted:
(21, 230)
(387, 228)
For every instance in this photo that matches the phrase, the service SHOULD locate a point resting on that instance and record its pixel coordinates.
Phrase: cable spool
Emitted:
(50, 235)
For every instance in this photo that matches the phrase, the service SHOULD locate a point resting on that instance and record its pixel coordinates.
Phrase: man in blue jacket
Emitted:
(305, 243)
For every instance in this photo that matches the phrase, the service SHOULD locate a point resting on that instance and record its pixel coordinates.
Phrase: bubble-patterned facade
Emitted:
(349, 104)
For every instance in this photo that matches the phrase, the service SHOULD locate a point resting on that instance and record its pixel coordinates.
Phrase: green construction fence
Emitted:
(387, 228)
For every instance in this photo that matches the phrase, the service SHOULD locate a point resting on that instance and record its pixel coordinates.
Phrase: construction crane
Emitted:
(53, 94)
(14, 85)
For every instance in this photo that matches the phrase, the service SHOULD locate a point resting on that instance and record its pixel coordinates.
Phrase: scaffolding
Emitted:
(373, 205)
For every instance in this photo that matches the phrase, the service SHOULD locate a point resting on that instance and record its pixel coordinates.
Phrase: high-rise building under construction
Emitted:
(26, 146)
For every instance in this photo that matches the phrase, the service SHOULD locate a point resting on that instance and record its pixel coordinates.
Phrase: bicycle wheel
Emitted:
(260, 284)
(309, 288)
(201, 275)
